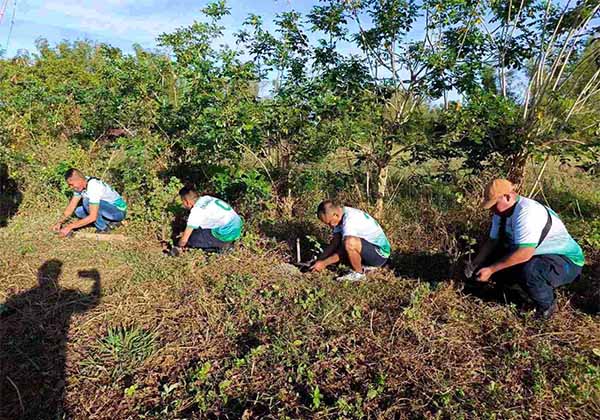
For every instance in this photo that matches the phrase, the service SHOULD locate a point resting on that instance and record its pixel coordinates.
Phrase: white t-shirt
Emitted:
(97, 190)
(524, 229)
(357, 223)
(216, 215)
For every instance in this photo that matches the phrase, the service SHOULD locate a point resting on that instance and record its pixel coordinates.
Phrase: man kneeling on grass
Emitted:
(100, 205)
(528, 243)
(212, 224)
(357, 239)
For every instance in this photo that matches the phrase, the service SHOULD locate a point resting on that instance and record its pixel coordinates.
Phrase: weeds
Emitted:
(122, 351)
(231, 336)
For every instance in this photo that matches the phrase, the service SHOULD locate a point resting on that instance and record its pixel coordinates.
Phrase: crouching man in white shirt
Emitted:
(212, 225)
(357, 239)
(528, 243)
(93, 201)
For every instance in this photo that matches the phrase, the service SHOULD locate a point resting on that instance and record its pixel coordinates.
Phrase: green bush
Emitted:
(235, 185)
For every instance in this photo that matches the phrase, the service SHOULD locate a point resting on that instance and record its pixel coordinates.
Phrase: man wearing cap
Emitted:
(533, 243)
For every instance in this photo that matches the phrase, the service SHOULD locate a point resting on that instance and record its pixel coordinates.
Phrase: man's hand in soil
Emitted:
(318, 266)
(64, 232)
(484, 274)
(56, 227)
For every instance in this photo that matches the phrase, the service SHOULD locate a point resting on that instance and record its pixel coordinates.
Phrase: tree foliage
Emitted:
(486, 84)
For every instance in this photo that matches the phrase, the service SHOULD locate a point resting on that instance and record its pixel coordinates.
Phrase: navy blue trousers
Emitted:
(204, 239)
(540, 276)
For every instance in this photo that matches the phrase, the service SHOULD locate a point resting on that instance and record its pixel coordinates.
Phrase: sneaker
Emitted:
(353, 276)
(102, 231)
(547, 313)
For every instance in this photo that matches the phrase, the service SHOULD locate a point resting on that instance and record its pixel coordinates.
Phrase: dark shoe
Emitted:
(226, 250)
(102, 231)
(546, 314)
(113, 225)
(175, 251)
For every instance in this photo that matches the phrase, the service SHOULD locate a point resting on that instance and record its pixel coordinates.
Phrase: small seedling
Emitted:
(316, 397)
(130, 391)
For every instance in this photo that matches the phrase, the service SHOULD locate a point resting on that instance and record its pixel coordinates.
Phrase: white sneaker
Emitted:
(353, 276)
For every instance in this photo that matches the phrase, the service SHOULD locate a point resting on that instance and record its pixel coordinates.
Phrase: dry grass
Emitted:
(236, 336)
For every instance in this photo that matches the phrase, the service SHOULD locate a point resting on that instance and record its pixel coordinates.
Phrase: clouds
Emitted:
(118, 22)
(114, 17)
(125, 22)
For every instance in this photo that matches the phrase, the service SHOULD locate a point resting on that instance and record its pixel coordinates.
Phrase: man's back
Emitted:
(524, 228)
(215, 214)
(358, 223)
(97, 190)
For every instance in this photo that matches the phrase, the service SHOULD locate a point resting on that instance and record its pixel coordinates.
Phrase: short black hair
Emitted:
(73, 171)
(326, 205)
(188, 191)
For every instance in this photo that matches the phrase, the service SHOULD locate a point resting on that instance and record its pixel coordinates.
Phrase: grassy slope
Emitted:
(235, 335)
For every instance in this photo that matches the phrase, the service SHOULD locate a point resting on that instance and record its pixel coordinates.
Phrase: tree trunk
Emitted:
(283, 167)
(382, 176)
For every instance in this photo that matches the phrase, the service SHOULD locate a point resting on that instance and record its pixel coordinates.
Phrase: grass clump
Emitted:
(122, 350)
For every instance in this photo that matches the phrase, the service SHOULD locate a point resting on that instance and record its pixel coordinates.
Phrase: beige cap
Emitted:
(495, 189)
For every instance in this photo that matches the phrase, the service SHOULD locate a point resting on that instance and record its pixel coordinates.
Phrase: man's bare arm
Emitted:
(68, 212)
(333, 246)
(520, 256)
(486, 250)
(185, 237)
(329, 256)
(89, 219)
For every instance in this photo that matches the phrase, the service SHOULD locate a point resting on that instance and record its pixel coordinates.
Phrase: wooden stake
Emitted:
(99, 236)
(368, 186)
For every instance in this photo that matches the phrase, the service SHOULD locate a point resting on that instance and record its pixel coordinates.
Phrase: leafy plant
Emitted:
(235, 184)
(123, 349)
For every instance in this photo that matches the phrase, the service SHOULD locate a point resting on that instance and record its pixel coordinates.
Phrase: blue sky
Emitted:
(123, 23)
(120, 23)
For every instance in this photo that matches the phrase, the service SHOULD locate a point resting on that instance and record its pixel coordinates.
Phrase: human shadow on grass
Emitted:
(34, 328)
(178, 223)
(435, 268)
(10, 196)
